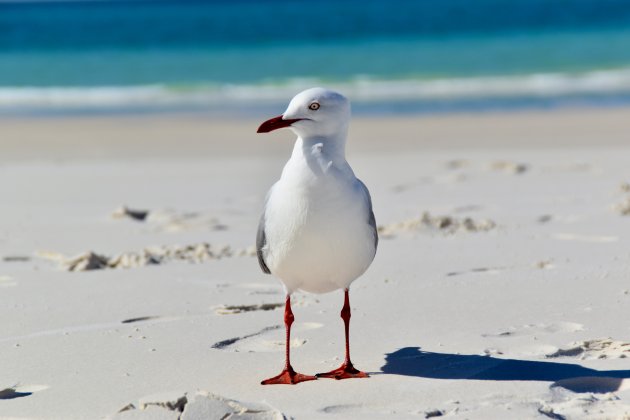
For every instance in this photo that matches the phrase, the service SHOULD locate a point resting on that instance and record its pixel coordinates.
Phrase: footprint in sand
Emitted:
(237, 309)
(261, 288)
(298, 300)
(195, 405)
(444, 224)
(411, 184)
(7, 281)
(571, 167)
(170, 220)
(512, 168)
(594, 384)
(537, 329)
(153, 255)
(586, 397)
(623, 207)
(20, 391)
(352, 411)
(604, 348)
(16, 258)
(138, 319)
(585, 238)
(269, 339)
(486, 270)
(545, 265)
(346, 409)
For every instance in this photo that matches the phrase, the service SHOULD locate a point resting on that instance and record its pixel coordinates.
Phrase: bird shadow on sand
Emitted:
(412, 361)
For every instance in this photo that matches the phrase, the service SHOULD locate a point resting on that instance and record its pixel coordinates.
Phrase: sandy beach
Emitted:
(501, 287)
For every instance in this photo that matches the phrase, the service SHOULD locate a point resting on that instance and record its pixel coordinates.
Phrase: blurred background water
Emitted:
(233, 56)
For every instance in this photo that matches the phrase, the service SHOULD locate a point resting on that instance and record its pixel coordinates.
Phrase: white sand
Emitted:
(527, 318)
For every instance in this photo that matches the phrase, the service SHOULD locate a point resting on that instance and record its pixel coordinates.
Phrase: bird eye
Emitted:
(314, 106)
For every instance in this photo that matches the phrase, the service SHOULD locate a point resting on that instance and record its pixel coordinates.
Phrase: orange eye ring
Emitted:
(314, 106)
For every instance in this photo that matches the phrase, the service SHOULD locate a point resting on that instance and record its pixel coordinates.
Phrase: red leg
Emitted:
(346, 370)
(288, 376)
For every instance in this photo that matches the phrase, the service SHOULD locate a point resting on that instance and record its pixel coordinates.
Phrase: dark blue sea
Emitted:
(388, 56)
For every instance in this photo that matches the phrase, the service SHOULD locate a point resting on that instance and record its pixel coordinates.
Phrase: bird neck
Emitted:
(333, 148)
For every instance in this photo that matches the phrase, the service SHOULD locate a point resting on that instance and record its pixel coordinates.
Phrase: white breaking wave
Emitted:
(365, 89)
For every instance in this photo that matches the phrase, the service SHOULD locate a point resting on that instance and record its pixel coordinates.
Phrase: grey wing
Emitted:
(371, 219)
(261, 241)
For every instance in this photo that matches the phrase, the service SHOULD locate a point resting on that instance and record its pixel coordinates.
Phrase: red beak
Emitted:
(275, 123)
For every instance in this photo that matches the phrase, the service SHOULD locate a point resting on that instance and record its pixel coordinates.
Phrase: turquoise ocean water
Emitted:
(237, 56)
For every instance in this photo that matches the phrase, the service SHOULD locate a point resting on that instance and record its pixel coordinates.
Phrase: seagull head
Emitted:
(315, 112)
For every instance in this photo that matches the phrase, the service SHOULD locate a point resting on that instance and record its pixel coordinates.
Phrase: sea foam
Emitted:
(364, 89)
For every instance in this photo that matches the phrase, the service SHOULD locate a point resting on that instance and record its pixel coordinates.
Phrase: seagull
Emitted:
(317, 232)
